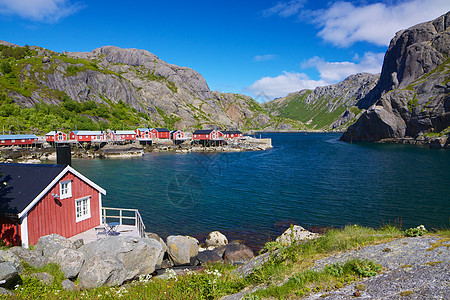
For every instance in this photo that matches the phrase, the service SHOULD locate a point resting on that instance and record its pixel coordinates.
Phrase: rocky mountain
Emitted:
(155, 92)
(412, 98)
(327, 107)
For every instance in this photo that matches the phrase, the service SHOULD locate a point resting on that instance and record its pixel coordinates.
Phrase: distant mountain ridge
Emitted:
(329, 107)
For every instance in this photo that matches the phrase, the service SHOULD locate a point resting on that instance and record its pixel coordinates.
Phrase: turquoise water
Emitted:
(306, 179)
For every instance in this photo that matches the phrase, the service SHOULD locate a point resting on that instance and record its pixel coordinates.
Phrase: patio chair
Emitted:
(108, 229)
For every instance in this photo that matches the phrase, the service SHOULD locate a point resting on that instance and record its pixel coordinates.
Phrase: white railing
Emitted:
(121, 214)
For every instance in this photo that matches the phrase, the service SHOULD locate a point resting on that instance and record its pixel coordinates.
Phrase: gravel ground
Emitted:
(413, 268)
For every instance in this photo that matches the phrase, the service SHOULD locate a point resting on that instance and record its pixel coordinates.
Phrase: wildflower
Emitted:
(421, 227)
(172, 274)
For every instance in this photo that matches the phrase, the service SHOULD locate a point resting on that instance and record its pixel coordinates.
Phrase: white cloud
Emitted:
(48, 11)
(337, 71)
(268, 88)
(343, 23)
(264, 57)
(281, 85)
(284, 9)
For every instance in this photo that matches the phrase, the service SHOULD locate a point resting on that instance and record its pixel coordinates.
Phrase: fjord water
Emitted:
(306, 179)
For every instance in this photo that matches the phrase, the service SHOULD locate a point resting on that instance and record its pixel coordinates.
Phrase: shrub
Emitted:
(6, 67)
(72, 70)
(364, 268)
(418, 231)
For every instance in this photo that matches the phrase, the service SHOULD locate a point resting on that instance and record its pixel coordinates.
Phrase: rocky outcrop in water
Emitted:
(412, 97)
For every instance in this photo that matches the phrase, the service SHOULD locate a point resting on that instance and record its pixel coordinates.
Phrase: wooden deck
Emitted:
(99, 233)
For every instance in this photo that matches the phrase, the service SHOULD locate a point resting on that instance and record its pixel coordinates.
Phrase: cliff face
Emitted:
(325, 107)
(169, 95)
(412, 97)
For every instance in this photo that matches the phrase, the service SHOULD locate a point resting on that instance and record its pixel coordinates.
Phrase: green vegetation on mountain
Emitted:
(66, 116)
(316, 116)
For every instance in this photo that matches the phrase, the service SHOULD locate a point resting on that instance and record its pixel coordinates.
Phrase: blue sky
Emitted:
(261, 48)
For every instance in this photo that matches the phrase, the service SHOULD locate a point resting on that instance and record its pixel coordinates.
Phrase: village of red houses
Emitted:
(142, 135)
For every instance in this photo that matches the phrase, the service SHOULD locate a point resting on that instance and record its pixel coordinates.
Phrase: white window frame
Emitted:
(82, 209)
(63, 194)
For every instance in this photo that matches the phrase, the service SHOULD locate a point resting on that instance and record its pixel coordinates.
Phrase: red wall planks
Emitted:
(8, 231)
(54, 215)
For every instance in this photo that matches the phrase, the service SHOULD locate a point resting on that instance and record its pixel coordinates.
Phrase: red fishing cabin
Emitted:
(18, 139)
(37, 200)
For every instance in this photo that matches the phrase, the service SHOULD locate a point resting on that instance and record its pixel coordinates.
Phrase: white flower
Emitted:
(421, 227)
(172, 274)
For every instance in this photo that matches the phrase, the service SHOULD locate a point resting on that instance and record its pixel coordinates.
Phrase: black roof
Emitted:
(203, 131)
(22, 183)
(162, 129)
(231, 132)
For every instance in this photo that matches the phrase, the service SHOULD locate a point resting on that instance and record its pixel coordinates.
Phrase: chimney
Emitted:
(63, 155)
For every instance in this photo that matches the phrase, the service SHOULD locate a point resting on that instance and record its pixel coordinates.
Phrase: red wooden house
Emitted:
(177, 135)
(143, 133)
(38, 200)
(160, 133)
(232, 134)
(207, 135)
(88, 136)
(122, 135)
(18, 139)
(55, 136)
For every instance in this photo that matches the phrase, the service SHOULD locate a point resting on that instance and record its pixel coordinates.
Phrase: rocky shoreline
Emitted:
(116, 260)
(442, 142)
(37, 155)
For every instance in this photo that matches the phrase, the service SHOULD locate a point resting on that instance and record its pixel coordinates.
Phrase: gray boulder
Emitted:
(208, 256)
(32, 257)
(221, 250)
(70, 261)
(126, 258)
(101, 270)
(216, 239)
(44, 278)
(296, 233)
(158, 238)
(50, 244)
(68, 285)
(7, 255)
(8, 274)
(182, 250)
(237, 253)
(437, 143)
